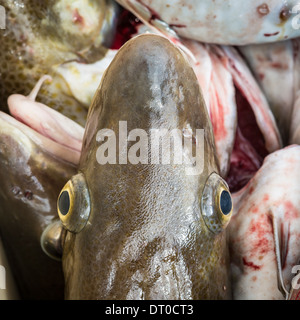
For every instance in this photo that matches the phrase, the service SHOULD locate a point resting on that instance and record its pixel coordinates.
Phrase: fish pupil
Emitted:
(64, 202)
(225, 202)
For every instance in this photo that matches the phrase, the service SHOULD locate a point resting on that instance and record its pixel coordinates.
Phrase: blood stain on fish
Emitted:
(290, 211)
(260, 229)
(249, 148)
(126, 26)
(266, 198)
(251, 264)
(254, 209)
(271, 34)
(28, 195)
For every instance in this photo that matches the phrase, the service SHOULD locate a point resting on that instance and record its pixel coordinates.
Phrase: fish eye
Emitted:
(64, 202)
(216, 203)
(225, 202)
(73, 204)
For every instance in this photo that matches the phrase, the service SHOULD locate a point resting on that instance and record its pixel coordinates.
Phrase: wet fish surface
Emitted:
(34, 167)
(40, 36)
(146, 231)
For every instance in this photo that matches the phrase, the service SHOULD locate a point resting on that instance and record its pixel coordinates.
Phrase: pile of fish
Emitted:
(78, 220)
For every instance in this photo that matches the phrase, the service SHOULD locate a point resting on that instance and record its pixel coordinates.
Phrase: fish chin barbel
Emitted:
(230, 22)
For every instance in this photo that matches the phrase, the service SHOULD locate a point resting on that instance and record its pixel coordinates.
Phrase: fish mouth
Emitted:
(249, 148)
(43, 127)
(257, 134)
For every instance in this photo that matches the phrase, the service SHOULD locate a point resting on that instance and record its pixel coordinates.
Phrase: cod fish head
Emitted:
(141, 224)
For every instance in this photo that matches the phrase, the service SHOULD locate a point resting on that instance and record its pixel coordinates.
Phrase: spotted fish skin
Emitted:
(40, 36)
(145, 237)
(32, 176)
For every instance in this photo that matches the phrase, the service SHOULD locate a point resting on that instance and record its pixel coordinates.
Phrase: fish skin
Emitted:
(145, 237)
(251, 21)
(224, 77)
(269, 199)
(222, 73)
(277, 66)
(42, 35)
(31, 179)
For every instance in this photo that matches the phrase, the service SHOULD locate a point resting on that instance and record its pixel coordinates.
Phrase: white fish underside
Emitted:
(231, 22)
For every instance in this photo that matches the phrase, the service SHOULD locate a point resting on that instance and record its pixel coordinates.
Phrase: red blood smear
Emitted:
(248, 125)
(249, 148)
(259, 234)
(127, 25)
(271, 34)
(251, 264)
(266, 197)
(291, 212)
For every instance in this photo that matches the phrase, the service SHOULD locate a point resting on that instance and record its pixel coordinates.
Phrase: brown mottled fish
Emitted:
(146, 230)
(35, 165)
(40, 36)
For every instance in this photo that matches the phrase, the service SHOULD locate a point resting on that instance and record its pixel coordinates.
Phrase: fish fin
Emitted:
(52, 240)
(281, 245)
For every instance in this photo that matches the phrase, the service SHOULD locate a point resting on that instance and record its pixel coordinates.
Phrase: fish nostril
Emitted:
(225, 202)
(64, 202)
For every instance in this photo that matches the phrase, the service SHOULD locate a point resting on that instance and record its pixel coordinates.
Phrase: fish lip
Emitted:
(15, 128)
